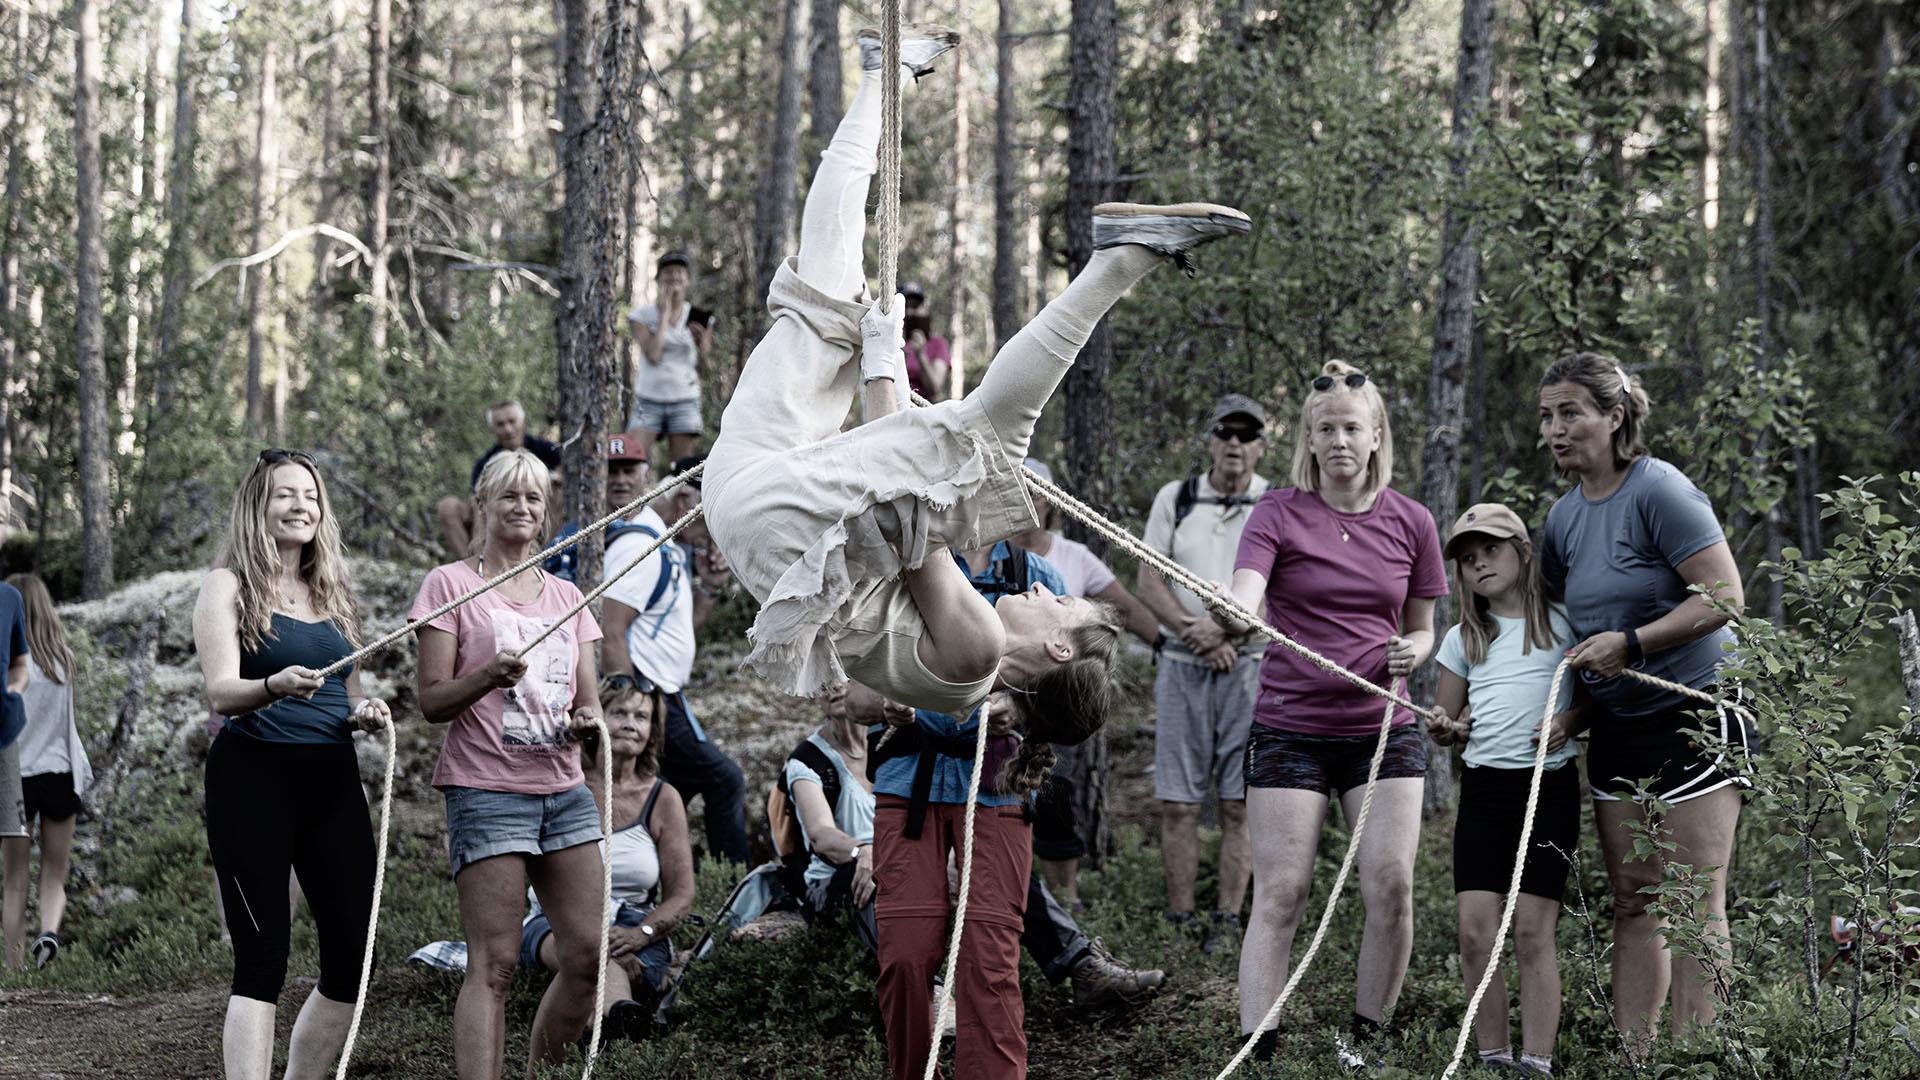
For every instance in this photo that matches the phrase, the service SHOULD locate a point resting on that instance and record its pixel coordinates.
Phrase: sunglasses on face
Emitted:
(275, 455)
(1354, 380)
(1232, 433)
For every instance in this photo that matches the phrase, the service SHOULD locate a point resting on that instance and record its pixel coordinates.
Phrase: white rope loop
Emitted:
(373, 916)
(606, 887)
(1326, 915)
(966, 884)
(494, 582)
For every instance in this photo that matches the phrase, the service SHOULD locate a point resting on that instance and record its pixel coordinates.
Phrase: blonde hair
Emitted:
(250, 553)
(504, 470)
(1608, 384)
(1477, 628)
(1306, 469)
(647, 762)
(46, 638)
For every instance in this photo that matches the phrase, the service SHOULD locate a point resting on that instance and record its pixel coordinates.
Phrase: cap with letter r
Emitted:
(624, 448)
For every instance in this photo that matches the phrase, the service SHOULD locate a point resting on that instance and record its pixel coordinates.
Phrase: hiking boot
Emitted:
(628, 1020)
(1099, 979)
(919, 46)
(45, 948)
(1171, 230)
(1183, 921)
(1223, 931)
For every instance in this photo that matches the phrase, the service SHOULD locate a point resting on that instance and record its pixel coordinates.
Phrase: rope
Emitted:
(1526, 835)
(673, 530)
(1326, 915)
(523, 565)
(373, 917)
(888, 213)
(606, 882)
(966, 882)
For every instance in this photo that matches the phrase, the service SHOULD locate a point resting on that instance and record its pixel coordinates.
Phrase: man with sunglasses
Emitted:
(1204, 690)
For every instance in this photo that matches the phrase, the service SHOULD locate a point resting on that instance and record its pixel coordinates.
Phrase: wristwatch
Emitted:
(647, 929)
(1635, 653)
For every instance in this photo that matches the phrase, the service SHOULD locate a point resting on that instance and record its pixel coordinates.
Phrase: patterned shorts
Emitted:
(1330, 764)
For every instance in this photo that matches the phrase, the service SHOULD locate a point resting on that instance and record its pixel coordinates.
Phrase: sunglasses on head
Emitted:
(275, 455)
(1354, 380)
(628, 682)
(1236, 433)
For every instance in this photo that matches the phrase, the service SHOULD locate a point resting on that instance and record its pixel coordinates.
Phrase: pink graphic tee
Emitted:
(1336, 583)
(512, 740)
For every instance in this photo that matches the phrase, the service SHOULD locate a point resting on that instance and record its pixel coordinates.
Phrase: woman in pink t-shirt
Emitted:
(1350, 568)
(518, 809)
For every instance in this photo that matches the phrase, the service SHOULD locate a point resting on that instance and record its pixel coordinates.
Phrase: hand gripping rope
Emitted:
(606, 755)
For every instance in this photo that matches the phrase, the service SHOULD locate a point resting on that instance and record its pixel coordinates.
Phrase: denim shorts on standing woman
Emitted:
(482, 824)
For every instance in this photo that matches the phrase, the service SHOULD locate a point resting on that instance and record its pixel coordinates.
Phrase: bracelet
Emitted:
(267, 685)
(1635, 653)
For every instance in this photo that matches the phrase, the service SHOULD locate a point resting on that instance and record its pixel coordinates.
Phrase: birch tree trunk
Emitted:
(96, 510)
(1453, 330)
(1006, 183)
(1090, 169)
(773, 200)
(175, 265)
(266, 164)
(380, 178)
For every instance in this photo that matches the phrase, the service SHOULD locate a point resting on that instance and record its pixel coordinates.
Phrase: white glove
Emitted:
(883, 340)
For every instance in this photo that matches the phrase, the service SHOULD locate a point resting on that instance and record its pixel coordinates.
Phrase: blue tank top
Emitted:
(320, 719)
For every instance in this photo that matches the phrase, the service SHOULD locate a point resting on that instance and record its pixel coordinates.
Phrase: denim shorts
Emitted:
(666, 417)
(1331, 764)
(482, 824)
(655, 959)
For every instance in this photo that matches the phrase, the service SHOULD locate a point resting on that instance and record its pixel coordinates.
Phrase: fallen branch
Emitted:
(318, 228)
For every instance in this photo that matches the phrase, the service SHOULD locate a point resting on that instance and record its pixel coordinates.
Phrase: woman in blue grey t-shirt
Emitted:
(1625, 548)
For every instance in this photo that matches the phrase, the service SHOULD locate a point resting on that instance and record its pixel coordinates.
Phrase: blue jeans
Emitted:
(482, 824)
(695, 766)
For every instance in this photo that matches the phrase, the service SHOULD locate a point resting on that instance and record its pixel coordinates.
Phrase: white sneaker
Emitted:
(1171, 230)
(919, 46)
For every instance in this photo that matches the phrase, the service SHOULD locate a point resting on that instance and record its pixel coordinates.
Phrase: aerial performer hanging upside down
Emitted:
(841, 537)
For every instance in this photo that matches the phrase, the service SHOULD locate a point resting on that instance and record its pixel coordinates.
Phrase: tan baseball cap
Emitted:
(1485, 519)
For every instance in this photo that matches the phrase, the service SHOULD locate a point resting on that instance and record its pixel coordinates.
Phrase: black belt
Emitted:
(913, 739)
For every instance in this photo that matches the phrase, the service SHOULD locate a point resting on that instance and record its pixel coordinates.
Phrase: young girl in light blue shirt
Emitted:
(1496, 670)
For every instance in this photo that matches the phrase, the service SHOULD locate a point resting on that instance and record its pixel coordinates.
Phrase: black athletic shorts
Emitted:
(1056, 832)
(1623, 750)
(49, 796)
(1330, 764)
(1487, 830)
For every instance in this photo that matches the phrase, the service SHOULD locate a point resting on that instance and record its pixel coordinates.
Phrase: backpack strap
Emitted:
(808, 753)
(910, 739)
(1183, 500)
(660, 584)
(1015, 571)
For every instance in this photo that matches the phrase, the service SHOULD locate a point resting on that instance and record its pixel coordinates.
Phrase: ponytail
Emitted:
(1030, 766)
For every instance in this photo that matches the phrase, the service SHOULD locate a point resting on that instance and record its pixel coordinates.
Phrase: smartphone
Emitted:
(699, 316)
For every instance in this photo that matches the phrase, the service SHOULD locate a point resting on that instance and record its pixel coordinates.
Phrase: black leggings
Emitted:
(272, 806)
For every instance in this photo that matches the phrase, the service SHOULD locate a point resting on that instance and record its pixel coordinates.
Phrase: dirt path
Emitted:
(53, 1035)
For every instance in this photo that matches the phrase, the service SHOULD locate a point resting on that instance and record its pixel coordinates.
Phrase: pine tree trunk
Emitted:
(176, 263)
(1006, 182)
(773, 200)
(266, 163)
(330, 147)
(96, 510)
(10, 228)
(960, 214)
(824, 102)
(1090, 170)
(1453, 330)
(380, 178)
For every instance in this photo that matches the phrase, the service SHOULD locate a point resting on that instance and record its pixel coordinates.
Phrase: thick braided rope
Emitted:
(373, 916)
(966, 883)
(522, 566)
(606, 890)
(1526, 836)
(1333, 898)
(888, 213)
(673, 530)
(1519, 867)
(1204, 590)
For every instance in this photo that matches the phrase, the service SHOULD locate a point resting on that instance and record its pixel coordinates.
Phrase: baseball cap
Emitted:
(1485, 519)
(673, 258)
(1040, 468)
(624, 448)
(913, 292)
(1236, 405)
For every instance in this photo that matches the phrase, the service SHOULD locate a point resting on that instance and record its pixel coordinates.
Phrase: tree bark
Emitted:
(960, 215)
(773, 200)
(96, 510)
(380, 178)
(1090, 171)
(824, 89)
(176, 264)
(1006, 183)
(1453, 329)
(266, 164)
(10, 228)
(330, 147)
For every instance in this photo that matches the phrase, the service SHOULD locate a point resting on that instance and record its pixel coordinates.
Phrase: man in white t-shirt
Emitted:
(1204, 690)
(647, 619)
(673, 335)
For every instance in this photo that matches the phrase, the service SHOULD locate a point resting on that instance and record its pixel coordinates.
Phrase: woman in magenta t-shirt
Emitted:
(1350, 568)
(518, 809)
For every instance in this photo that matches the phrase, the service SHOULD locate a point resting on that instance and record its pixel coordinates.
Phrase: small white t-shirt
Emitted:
(1206, 542)
(660, 637)
(1080, 569)
(677, 376)
(1507, 690)
(853, 813)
